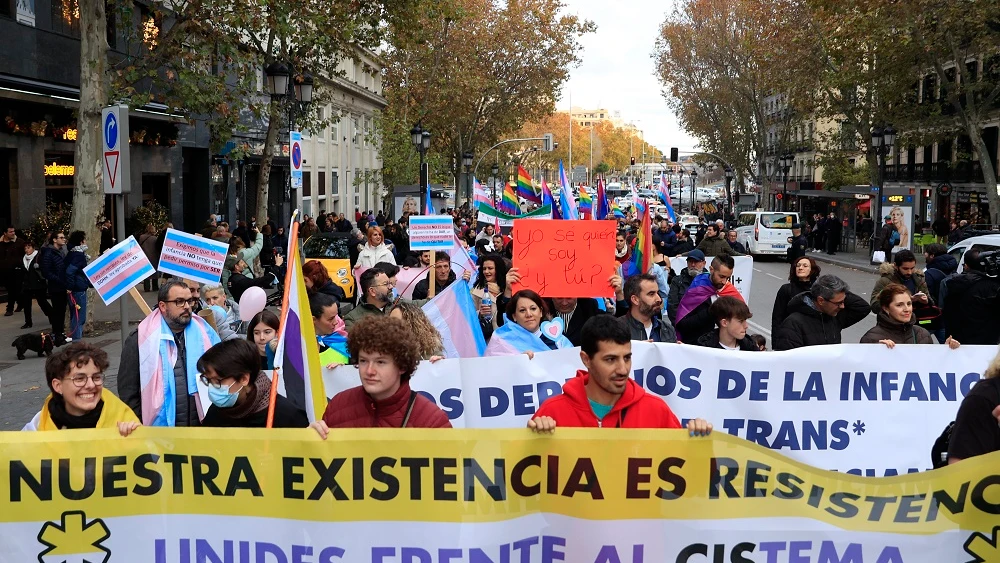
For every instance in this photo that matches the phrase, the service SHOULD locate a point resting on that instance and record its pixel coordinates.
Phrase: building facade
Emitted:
(39, 98)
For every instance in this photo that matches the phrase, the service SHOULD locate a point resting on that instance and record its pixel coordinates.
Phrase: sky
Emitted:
(617, 70)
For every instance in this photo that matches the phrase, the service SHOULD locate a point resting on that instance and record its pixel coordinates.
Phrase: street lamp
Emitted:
(729, 191)
(882, 142)
(467, 164)
(422, 142)
(786, 164)
(297, 89)
(277, 79)
(694, 186)
(495, 173)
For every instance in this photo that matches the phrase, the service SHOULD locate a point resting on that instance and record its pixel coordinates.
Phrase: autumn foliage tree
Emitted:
(472, 72)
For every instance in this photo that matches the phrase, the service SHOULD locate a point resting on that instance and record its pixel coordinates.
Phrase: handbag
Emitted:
(879, 256)
(928, 317)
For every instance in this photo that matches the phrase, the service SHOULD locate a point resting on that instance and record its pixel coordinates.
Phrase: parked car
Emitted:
(765, 232)
(333, 251)
(984, 243)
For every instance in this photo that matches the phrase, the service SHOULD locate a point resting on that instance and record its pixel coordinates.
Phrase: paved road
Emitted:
(769, 274)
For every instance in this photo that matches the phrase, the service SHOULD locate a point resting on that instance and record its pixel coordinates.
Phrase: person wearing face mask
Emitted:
(78, 398)
(262, 331)
(386, 357)
(77, 283)
(801, 276)
(240, 391)
(680, 284)
(902, 270)
(896, 322)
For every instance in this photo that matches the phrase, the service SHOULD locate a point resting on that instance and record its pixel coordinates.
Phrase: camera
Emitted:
(987, 263)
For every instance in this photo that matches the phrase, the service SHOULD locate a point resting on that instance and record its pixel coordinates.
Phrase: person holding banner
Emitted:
(386, 356)
(896, 321)
(977, 425)
(240, 392)
(78, 398)
(527, 328)
(603, 395)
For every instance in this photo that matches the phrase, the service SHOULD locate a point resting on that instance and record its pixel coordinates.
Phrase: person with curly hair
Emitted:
(427, 337)
(386, 355)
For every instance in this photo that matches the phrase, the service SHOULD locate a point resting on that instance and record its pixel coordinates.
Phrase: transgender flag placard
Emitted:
(118, 270)
(193, 257)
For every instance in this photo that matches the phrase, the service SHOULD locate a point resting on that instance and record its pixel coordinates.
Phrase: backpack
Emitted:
(939, 451)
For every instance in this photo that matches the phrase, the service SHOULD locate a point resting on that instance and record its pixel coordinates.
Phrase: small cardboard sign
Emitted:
(192, 257)
(118, 270)
(432, 232)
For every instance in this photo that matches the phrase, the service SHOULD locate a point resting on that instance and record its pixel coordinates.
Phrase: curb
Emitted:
(823, 257)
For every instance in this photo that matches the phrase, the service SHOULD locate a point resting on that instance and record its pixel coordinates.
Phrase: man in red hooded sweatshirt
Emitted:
(604, 395)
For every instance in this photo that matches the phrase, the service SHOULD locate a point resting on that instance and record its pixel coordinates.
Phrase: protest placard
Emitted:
(118, 270)
(431, 232)
(193, 257)
(565, 258)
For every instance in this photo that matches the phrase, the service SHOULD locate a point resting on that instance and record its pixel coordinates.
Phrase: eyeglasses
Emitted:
(182, 302)
(80, 381)
(217, 383)
(837, 303)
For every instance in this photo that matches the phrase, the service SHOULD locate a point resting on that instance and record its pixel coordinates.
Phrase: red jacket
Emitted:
(356, 409)
(634, 409)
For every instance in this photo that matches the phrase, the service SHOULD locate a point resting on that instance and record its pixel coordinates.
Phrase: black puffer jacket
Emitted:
(806, 326)
(711, 340)
(901, 333)
(972, 307)
(938, 269)
(785, 293)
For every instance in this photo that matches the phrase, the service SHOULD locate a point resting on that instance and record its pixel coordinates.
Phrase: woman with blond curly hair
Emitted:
(977, 425)
(427, 338)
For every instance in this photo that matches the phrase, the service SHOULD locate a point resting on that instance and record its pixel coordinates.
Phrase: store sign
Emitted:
(69, 135)
(59, 170)
(895, 199)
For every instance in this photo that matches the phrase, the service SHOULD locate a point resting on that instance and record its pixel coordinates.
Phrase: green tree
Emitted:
(839, 171)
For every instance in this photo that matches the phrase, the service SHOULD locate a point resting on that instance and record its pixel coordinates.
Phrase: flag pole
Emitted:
(293, 233)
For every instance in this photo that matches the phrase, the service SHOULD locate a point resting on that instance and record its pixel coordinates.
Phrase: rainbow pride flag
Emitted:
(642, 252)
(617, 211)
(586, 202)
(509, 203)
(296, 360)
(525, 189)
(603, 209)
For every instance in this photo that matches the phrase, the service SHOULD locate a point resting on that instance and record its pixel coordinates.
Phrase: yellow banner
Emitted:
(470, 476)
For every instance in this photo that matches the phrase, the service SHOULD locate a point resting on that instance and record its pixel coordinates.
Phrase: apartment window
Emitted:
(335, 129)
(306, 183)
(368, 130)
(321, 185)
(66, 17)
(335, 182)
(355, 136)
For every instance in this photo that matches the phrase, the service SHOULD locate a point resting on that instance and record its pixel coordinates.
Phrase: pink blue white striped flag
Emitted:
(453, 314)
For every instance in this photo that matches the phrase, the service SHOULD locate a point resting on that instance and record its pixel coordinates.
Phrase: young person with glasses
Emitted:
(78, 398)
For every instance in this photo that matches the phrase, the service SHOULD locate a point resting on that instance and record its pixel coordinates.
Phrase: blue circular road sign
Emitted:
(296, 155)
(111, 131)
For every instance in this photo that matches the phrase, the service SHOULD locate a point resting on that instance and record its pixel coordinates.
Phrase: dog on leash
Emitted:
(41, 343)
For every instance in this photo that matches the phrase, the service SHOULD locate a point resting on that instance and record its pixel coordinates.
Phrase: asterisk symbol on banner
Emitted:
(984, 549)
(859, 428)
(74, 540)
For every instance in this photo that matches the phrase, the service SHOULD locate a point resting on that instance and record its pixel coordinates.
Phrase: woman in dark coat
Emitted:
(802, 273)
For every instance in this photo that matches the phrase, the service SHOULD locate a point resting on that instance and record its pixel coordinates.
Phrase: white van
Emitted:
(766, 232)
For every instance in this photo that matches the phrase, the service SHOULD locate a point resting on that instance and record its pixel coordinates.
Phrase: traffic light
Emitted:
(673, 154)
(547, 144)
(633, 161)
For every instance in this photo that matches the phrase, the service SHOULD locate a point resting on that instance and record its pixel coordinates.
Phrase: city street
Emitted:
(770, 274)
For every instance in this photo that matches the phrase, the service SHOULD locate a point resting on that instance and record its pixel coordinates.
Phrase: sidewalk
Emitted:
(22, 382)
(858, 260)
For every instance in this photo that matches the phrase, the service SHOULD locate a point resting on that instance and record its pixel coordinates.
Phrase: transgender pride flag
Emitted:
(296, 360)
(453, 314)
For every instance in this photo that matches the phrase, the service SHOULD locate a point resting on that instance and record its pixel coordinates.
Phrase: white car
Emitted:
(984, 243)
(766, 232)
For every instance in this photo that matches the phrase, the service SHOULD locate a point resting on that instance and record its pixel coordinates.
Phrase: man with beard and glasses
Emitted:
(158, 374)
(643, 311)
(376, 294)
(603, 395)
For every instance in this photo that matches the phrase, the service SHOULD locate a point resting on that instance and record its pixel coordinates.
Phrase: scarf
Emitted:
(622, 253)
(512, 338)
(335, 344)
(27, 258)
(258, 398)
(701, 289)
(157, 356)
(108, 413)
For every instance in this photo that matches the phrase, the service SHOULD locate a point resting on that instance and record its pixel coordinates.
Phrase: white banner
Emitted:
(742, 271)
(858, 408)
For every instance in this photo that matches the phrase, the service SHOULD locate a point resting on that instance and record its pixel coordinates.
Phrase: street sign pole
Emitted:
(117, 177)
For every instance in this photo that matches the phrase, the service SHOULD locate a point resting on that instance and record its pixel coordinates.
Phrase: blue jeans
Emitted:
(77, 317)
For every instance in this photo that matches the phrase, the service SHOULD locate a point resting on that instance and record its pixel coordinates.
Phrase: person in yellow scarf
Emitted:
(75, 376)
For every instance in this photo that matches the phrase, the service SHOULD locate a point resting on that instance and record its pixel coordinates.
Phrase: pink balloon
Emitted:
(252, 302)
